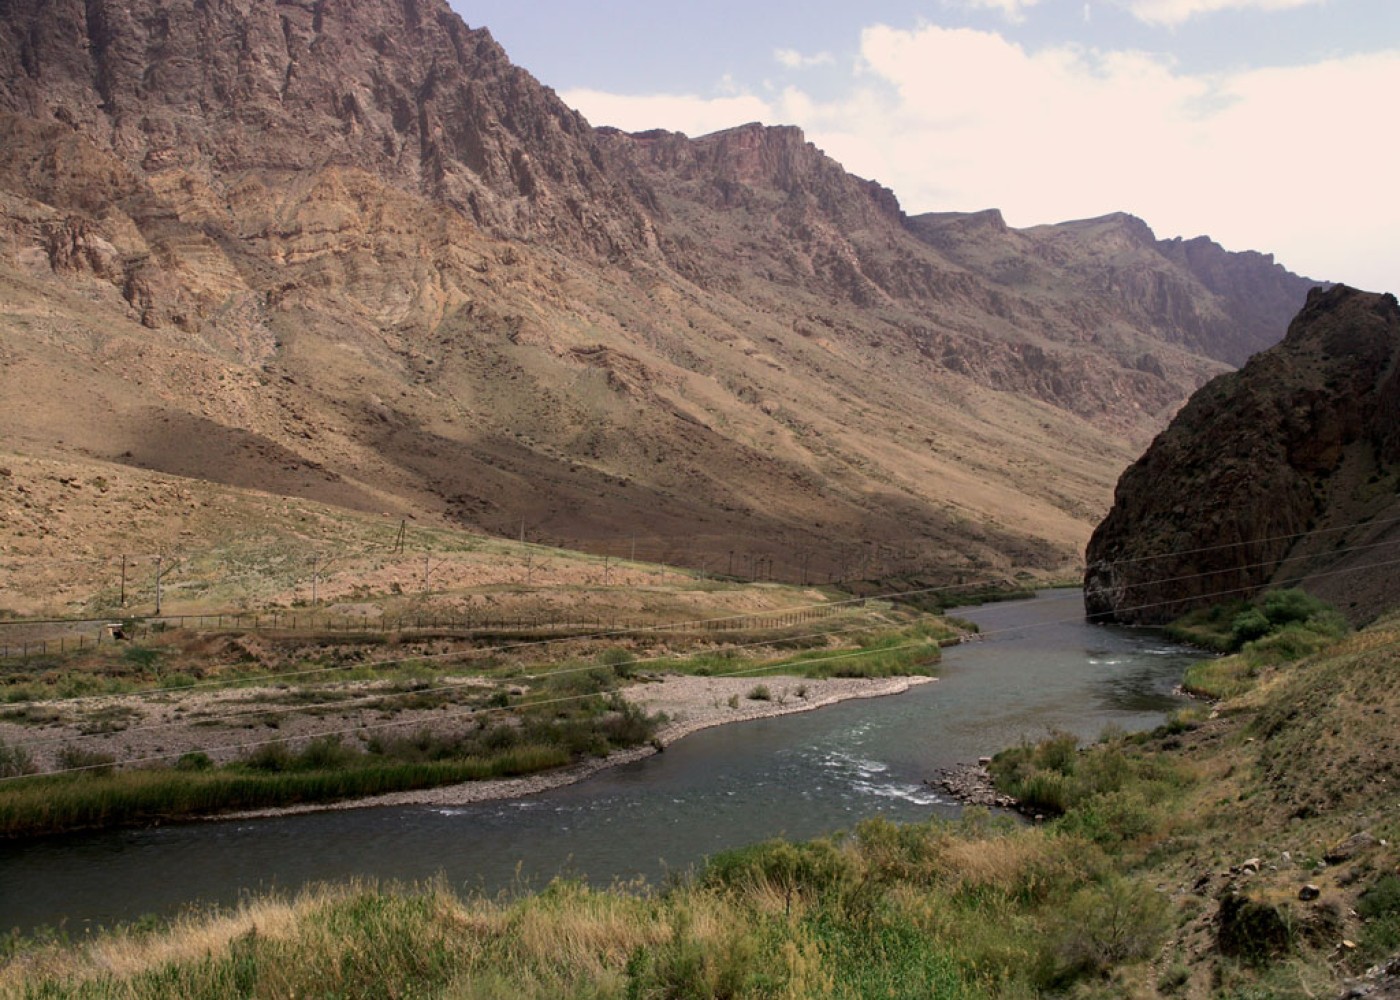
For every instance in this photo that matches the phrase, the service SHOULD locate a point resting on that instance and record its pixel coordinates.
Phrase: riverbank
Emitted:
(1248, 854)
(689, 703)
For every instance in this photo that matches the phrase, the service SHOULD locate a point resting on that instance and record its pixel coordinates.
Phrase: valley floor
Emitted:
(1244, 850)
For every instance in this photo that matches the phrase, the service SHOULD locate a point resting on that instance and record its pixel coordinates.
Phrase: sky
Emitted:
(1267, 125)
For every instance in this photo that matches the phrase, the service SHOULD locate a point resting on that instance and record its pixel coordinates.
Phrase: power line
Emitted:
(463, 714)
(471, 713)
(704, 623)
(1249, 541)
(374, 696)
(696, 624)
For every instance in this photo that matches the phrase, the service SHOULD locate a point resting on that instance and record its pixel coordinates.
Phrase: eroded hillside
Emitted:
(349, 252)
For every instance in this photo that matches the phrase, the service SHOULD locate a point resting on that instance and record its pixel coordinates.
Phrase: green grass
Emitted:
(324, 770)
(1287, 623)
(1112, 793)
(1280, 628)
(1118, 895)
(570, 709)
(966, 911)
(40, 805)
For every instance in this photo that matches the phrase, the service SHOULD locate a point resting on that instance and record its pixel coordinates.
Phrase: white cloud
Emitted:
(1174, 12)
(1294, 161)
(686, 113)
(792, 59)
(1281, 160)
(1012, 10)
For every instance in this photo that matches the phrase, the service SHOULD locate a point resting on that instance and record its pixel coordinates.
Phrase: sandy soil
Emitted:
(690, 703)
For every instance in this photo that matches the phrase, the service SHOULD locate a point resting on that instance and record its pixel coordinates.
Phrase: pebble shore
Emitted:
(690, 704)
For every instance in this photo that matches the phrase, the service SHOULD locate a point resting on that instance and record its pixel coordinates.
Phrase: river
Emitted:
(1038, 667)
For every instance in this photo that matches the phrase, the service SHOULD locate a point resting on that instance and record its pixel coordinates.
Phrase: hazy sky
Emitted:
(1266, 124)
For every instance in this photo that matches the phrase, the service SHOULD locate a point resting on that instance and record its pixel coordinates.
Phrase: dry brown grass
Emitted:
(126, 954)
(1024, 862)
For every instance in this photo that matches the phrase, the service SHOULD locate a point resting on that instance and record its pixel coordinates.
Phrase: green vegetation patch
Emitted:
(1282, 627)
(1229, 627)
(50, 804)
(1111, 793)
(324, 770)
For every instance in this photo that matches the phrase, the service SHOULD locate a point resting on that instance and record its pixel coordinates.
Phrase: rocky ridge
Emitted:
(347, 251)
(1286, 472)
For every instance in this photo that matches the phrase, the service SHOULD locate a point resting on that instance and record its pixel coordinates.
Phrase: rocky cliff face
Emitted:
(1286, 472)
(345, 249)
(1192, 293)
(402, 89)
(1097, 317)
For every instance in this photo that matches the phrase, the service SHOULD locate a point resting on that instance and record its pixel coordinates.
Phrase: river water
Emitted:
(1039, 666)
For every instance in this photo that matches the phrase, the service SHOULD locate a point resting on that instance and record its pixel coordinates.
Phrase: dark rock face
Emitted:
(1283, 473)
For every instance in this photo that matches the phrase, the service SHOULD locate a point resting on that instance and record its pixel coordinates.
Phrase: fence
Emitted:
(87, 633)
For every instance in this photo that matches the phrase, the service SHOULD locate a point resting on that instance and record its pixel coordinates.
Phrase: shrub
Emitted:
(1252, 930)
(723, 963)
(1118, 817)
(1292, 605)
(195, 760)
(1291, 642)
(760, 693)
(1105, 925)
(71, 758)
(815, 868)
(14, 761)
(1379, 907)
(1248, 626)
(1227, 628)
(270, 757)
(623, 663)
(140, 657)
(325, 753)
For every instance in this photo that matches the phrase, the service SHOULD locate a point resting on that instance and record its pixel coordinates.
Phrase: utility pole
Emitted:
(399, 539)
(427, 569)
(317, 568)
(157, 584)
(123, 601)
(160, 575)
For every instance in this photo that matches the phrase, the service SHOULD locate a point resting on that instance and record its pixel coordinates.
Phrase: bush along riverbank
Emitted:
(180, 755)
(1245, 849)
(326, 769)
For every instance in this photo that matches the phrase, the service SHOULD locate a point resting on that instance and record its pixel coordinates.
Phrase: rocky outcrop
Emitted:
(1194, 293)
(1284, 473)
(399, 88)
(1074, 314)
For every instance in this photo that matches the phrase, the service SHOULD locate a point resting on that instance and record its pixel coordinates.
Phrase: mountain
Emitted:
(345, 250)
(1285, 472)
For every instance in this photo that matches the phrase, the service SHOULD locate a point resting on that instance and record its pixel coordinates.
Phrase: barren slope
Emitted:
(349, 252)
